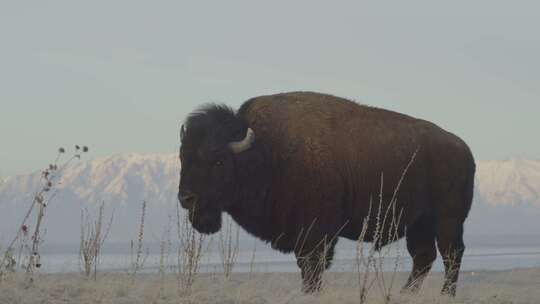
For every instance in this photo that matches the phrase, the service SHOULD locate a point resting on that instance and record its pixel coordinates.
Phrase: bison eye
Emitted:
(219, 163)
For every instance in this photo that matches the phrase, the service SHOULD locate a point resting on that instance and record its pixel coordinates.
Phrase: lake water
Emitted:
(482, 253)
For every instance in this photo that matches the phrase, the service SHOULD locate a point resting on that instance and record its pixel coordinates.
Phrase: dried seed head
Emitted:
(77, 147)
(61, 150)
(85, 149)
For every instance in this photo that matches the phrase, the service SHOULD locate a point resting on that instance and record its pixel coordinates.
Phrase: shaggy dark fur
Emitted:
(316, 164)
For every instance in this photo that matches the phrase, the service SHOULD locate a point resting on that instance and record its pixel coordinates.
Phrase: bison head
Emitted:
(211, 140)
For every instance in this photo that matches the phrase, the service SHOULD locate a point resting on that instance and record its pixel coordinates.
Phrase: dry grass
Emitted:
(518, 286)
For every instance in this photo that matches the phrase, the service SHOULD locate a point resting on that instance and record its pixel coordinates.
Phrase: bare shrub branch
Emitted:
(92, 239)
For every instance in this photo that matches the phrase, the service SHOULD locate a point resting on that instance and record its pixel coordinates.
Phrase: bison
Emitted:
(300, 169)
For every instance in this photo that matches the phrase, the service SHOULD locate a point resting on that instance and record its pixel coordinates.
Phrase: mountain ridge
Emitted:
(510, 182)
(507, 194)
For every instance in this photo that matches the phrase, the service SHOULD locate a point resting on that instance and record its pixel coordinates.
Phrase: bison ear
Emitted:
(182, 132)
(244, 144)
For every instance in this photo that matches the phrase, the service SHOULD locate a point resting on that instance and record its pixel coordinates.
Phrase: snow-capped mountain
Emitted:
(122, 182)
(503, 189)
(511, 182)
(117, 179)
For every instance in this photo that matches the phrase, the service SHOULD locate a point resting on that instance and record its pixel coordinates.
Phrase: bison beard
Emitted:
(206, 223)
(302, 168)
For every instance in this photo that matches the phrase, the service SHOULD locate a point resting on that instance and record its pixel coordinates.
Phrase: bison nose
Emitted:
(187, 198)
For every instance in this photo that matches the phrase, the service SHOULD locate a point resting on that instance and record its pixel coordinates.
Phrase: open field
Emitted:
(514, 286)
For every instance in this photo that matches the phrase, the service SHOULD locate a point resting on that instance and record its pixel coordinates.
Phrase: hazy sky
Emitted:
(119, 76)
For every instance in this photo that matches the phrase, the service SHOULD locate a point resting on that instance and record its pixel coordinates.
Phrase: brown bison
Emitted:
(301, 169)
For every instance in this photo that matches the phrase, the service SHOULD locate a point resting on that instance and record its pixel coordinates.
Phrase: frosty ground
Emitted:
(512, 286)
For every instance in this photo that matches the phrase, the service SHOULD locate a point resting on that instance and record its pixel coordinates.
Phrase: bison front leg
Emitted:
(312, 264)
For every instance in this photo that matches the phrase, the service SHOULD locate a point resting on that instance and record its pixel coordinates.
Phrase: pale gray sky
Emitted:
(119, 76)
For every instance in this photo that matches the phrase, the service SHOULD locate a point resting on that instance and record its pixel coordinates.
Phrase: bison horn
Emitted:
(244, 144)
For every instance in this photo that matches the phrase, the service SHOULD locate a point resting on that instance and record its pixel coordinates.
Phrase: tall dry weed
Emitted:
(43, 197)
(229, 246)
(189, 253)
(93, 236)
(370, 266)
(164, 254)
(136, 249)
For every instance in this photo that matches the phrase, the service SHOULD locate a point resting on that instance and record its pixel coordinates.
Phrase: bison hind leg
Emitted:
(451, 247)
(421, 246)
